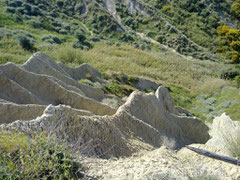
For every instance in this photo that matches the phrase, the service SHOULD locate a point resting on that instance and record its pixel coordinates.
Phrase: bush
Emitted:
(68, 54)
(63, 31)
(126, 37)
(25, 42)
(161, 39)
(40, 157)
(52, 39)
(229, 74)
(10, 10)
(165, 8)
(80, 36)
(95, 39)
(35, 24)
(60, 3)
(77, 45)
(5, 33)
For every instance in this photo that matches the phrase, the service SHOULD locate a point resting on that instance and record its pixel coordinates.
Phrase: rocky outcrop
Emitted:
(40, 63)
(145, 121)
(158, 110)
(41, 81)
(225, 133)
(10, 112)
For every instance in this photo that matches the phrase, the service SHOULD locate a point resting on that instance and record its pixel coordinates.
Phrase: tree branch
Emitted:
(214, 155)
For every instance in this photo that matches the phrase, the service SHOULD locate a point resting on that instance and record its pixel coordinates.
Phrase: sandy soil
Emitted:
(162, 163)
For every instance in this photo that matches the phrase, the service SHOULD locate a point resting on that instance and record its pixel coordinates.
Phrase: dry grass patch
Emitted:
(211, 86)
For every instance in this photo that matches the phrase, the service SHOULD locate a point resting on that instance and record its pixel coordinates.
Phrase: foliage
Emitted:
(52, 39)
(25, 42)
(39, 157)
(68, 54)
(230, 74)
(229, 42)
(165, 8)
(236, 8)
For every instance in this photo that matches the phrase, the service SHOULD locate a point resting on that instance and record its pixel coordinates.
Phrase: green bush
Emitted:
(52, 39)
(35, 24)
(10, 10)
(25, 42)
(229, 74)
(78, 45)
(80, 36)
(60, 3)
(63, 31)
(38, 157)
(5, 33)
(68, 54)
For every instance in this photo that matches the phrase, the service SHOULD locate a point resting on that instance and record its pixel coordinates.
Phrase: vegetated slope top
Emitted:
(187, 26)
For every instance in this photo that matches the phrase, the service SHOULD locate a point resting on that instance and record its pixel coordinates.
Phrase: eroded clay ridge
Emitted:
(43, 95)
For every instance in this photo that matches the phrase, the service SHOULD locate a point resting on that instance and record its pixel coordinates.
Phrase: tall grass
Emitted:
(232, 143)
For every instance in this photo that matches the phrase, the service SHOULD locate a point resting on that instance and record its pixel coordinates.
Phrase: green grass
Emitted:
(230, 94)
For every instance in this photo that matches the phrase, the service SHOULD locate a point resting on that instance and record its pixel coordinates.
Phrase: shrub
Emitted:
(165, 8)
(39, 157)
(80, 36)
(63, 31)
(126, 37)
(35, 23)
(237, 80)
(161, 38)
(77, 45)
(52, 39)
(229, 74)
(67, 54)
(25, 42)
(151, 34)
(35, 11)
(5, 33)
(95, 39)
(10, 10)
(60, 3)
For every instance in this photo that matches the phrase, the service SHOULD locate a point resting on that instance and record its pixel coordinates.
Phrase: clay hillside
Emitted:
(143, 138)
